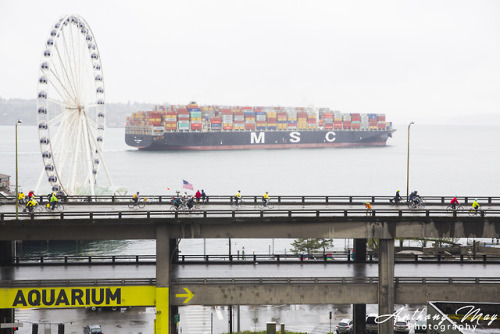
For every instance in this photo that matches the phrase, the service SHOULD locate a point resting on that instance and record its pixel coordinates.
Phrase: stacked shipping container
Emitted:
(193, 117)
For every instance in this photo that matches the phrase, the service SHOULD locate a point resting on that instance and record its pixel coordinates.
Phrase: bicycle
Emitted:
(473, 212)
(458, 209)
(269, 205)
(141, 203)
(234, 205)
(416, 203)
(57, 207)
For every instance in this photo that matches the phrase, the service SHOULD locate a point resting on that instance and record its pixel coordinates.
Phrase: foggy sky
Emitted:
(426, 61)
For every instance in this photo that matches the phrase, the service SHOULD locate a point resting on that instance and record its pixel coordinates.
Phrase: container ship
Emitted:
(194, 127)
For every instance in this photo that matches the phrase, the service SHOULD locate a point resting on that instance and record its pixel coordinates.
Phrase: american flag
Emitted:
(187, 185)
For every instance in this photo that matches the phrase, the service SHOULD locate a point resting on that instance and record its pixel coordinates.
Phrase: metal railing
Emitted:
(279, 199)
(246, 213)
(244, 280)
(240, 258)
(81, 259)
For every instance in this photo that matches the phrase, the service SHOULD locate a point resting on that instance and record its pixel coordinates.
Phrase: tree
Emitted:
(308, 246)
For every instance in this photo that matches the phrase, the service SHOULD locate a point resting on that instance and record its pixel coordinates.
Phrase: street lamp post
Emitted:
(408, 163)
(17, 175)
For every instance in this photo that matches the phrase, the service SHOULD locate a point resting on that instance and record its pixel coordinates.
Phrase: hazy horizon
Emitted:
(422, 61)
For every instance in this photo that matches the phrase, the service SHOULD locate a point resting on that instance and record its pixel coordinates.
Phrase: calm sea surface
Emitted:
(444, 160)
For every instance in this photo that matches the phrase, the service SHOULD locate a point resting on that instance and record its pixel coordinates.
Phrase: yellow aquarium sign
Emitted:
(70, 297)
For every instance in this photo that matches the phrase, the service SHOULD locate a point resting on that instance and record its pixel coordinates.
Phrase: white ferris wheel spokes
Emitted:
(70, 107)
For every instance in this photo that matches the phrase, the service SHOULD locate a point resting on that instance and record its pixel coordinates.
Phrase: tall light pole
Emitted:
(17, 175)
(408, 163)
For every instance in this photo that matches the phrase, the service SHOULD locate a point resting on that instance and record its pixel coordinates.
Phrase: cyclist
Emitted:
(135, 198)
(368, 207)
(198, 196)
(237, 197)
(203, 195)
(475, 205)
(397, 198)
(177, 202)
(190, 203)
(30, 206)
(454, 202)
(31, 194)
(415, 198)
(53, 201)
(21, 197)
(265, 199)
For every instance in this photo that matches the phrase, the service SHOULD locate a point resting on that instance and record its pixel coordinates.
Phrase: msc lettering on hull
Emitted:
(260, 138)
(77, 297)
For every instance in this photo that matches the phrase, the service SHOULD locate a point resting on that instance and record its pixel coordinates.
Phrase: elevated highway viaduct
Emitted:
(384, 224)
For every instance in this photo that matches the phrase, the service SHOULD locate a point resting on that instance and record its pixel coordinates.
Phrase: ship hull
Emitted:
(239, 140)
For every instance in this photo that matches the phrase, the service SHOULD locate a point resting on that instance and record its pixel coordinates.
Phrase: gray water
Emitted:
(444, 160)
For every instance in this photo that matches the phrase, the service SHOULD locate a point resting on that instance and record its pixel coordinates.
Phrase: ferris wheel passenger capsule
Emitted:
(44, 66)
(52, 178)
(97, 67)
(94, 171)
(101, 102)
(43, 80)
(42, 110)
(50, 42)
(56, 188)
(43, 126)
(88, 38)
(49, 168)
(100, 115)
(53, 33)
(47, 53)
(98, 78)
(46, 155)
(42, 95)
(99, 139)
(44, 140)
(94, 56)
(91, 46)
(96, 161)
(100, 90)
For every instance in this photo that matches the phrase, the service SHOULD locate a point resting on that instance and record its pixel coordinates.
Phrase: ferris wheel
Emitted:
(71, 110)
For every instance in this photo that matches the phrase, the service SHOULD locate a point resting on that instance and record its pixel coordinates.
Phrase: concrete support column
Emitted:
(7, 256)
(359, 310)
(163, 319)
(386, 283)
(360, 250)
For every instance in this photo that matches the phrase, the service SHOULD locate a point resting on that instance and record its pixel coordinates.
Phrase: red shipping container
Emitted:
(250, 126)
(337, 125)
(328, 126)
(195, 126)
(373, 121)
(215, 120)
(356, 125)
(381, 118)
(381, 125)
(328, 115)
(346, 125)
